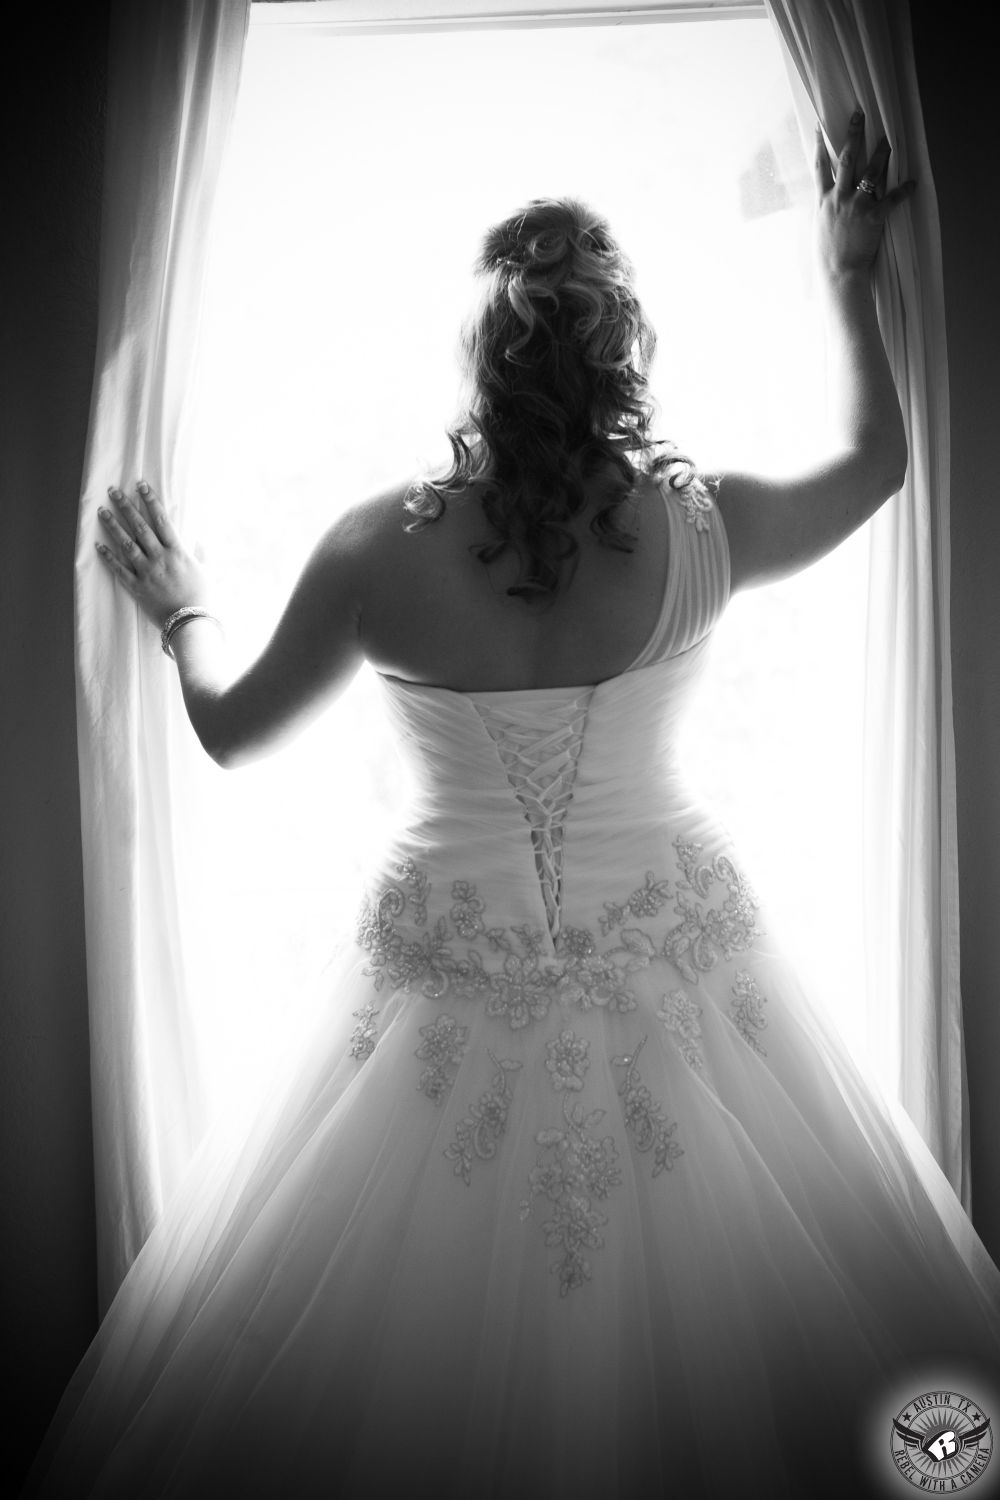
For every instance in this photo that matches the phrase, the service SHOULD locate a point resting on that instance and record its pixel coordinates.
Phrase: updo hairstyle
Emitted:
(555, 359)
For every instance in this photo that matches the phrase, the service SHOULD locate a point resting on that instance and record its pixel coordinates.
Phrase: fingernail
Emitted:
(142, 486)
(111, 491)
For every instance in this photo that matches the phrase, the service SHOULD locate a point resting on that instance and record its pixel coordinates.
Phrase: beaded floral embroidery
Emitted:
(376, 931)
(746, 1009)
(523, 983)
(443, 1046)
(679, 1014)
(704, 935)
(467, 909)
(523, 987)
(692, 492)
(644, 1118)
(365, 1034)
(478, 1133)
(572, 1168)
(697, 506)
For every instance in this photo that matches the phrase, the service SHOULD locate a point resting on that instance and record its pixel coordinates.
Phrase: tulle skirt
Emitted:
(604, 1254)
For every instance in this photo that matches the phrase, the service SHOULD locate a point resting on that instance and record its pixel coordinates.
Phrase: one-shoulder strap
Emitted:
(697, 589)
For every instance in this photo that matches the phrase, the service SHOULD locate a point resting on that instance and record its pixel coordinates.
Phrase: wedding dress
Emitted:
(576, 1193)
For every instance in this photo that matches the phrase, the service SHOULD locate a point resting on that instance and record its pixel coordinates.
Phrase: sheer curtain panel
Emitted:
(173, 77)
(844, 52)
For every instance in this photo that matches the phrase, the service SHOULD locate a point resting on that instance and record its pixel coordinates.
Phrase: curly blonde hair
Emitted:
(555, 359)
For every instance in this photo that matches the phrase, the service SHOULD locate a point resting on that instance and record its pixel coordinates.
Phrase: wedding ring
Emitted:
(866, 186)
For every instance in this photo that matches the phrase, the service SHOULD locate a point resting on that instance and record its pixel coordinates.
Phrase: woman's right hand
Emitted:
(850, 218)
(148, 558)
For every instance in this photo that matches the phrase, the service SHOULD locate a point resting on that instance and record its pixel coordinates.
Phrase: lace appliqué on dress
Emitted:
(697, 506)
(524, 985)
(467, 909)
(572, 1168)
(746, 1009)
(365, 1034)
(644, 1117)
(704, 934)
(443, 1047)
(389, 953)
(679, 1014)
(692, 492)
(478, 1133)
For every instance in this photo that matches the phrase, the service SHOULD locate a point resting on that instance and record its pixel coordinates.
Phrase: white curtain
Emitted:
(843, 52)
(173, 78)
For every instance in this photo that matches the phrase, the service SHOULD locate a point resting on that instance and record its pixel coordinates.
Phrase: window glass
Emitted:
(362, 172)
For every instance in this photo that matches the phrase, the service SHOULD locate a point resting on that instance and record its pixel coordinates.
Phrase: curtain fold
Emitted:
(173, 78)
(843, 52)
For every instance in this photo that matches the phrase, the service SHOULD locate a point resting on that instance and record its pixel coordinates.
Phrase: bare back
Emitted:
(432, 613)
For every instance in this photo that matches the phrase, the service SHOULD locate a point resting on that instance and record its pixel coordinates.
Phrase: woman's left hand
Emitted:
(853, 201)
(148, 557)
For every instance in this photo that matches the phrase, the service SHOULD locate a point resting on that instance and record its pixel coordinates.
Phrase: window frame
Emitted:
(372, 16)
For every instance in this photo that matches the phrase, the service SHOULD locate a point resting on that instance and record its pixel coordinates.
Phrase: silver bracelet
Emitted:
(181, 617)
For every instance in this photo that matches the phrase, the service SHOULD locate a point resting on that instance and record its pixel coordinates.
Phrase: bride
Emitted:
(575, 1192)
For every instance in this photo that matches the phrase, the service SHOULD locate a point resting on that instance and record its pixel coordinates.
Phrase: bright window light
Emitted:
(362, 172)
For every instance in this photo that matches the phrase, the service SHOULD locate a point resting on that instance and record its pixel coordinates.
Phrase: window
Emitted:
(362, 171)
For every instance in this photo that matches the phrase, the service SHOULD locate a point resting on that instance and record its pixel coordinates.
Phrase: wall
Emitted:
(53, 101)
(958, 96)
(48, 248)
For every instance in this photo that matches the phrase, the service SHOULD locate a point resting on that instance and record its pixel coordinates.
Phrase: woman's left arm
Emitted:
(311, 657)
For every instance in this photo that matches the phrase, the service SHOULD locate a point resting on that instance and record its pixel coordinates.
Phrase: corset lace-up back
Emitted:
(539, 747)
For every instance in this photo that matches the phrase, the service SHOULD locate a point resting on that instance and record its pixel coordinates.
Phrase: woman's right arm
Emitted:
(311, 657)
(777, 527)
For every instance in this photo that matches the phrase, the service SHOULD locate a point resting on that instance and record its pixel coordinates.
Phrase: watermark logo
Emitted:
(941, 1442)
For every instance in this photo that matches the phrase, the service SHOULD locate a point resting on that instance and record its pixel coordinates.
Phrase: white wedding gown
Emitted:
(576, 1194)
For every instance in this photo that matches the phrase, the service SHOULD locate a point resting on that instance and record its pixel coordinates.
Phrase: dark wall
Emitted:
(53, 100)
(958, 100)
(54, 88)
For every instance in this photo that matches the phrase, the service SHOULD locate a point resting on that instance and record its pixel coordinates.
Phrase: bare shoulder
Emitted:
(375, 521)
(367, 535)
(357, 551)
